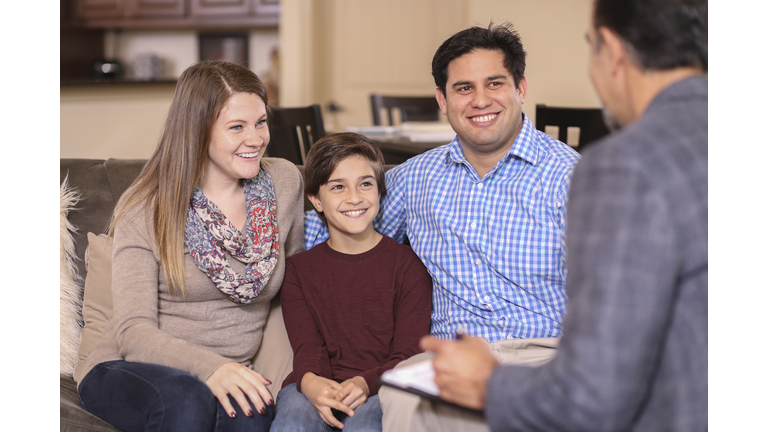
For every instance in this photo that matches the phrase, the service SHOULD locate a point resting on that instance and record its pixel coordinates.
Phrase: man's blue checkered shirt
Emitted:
(495, 246)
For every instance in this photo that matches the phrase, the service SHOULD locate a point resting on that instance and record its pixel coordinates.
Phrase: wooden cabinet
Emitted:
(90, 9)
(78, 47)
(220, 7)
(156, 8)
(255, 11)
(108, 14)
(116, 9)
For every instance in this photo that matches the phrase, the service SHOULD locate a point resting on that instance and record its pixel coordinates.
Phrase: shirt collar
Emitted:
(525, 146)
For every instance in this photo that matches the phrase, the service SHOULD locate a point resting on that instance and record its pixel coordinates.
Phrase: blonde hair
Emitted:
(178, 163)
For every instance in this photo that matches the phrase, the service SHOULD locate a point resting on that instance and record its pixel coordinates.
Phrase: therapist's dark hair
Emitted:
(502, 37)
(658, 34)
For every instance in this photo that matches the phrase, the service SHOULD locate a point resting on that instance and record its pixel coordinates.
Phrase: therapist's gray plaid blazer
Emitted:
(633, 355)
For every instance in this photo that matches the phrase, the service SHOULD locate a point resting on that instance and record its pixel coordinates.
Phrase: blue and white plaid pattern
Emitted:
(495, 247)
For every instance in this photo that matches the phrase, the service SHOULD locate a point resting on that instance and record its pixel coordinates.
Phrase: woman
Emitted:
(199, 248)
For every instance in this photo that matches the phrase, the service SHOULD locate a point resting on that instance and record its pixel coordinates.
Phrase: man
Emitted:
(485, 213)
(633, 355)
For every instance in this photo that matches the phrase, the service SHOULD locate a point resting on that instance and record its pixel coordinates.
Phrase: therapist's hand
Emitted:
(462, 369)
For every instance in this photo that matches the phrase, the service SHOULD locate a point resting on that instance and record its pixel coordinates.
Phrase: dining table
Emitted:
(400, 143)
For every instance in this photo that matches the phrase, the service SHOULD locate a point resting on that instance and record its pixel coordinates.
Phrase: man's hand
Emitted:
(321, 393)
(462, 369)
(354, 392)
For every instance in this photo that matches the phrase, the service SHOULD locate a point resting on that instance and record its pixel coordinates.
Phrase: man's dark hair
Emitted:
(501, 37)
(659, 34)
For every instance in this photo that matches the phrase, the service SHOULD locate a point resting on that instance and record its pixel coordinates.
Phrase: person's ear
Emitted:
(316, 203)
(440, 100)
(522, 89)
(615, 52)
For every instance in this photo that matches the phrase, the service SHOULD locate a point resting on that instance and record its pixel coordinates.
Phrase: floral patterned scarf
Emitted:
(208, 233)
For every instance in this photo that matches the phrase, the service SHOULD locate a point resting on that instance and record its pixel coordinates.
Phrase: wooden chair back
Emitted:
(588, 120)
(412, 108)
(293, 131)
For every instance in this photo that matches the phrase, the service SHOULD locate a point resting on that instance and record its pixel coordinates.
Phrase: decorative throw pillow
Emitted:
(70, 291)
(97, 295)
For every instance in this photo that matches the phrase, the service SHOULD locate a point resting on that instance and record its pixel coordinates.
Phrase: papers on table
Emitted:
(373, 130)
(415, 131)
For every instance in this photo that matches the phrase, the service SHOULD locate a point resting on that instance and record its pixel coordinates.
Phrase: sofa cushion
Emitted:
(100, 184)
(274, 359)
(97, 295)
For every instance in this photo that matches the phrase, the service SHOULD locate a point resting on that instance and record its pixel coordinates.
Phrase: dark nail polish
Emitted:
(268, 381)
(263, 411)
(233, 414)
(271, 403)
(249, 413)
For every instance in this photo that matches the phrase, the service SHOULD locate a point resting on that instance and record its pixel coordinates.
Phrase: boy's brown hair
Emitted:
(324, 156)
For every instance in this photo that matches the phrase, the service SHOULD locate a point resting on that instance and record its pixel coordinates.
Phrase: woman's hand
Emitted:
(242, 383)
(321, 393)
(353, 393)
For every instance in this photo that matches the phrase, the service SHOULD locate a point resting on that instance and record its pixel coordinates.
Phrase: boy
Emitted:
(355, 305)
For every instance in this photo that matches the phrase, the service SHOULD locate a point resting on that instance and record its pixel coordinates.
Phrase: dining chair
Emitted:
(293, 131)
(588, 120)
(412, 108)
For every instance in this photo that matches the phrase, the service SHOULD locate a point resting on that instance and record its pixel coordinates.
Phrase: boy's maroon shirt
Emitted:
(355, 315)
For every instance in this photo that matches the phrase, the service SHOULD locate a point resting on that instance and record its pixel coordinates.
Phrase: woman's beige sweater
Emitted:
(198, 334)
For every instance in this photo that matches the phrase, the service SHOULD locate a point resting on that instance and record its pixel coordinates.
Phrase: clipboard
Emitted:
(419, 379)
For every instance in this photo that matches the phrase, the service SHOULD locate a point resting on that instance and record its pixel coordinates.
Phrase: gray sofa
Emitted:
(100, 183)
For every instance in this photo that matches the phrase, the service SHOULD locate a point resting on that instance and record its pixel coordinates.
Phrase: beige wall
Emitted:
(112, 121)
(341, 51)
(348, 49)
(553, 36)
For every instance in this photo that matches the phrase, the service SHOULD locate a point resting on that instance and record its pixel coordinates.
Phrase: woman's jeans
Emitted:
(148, 397)
(294, 413)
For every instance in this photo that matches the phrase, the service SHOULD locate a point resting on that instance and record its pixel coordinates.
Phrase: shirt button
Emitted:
(479, 185)
(510, 337)
(473, 225)
(478, 262)
(487, 298)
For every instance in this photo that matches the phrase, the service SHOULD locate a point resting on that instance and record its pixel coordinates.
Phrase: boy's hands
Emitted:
(353, 393)
(322, 394)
